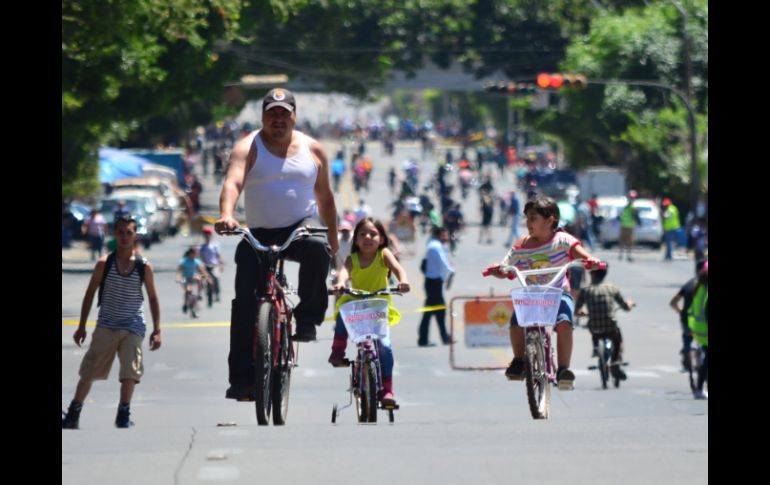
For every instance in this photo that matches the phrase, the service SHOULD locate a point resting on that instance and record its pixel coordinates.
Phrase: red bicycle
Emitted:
(272, 350)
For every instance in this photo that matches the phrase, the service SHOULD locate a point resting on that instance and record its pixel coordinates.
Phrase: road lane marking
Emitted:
(219, 473)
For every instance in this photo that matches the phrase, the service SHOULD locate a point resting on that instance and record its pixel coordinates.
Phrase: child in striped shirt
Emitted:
(545, 246)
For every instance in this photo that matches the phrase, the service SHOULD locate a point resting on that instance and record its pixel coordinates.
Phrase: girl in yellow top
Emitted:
(368, 267)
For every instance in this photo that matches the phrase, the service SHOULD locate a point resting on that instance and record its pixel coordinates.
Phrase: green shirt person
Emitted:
(628, 221)
(671, 225)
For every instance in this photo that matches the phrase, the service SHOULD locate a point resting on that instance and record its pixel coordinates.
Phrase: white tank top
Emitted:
(279, 191)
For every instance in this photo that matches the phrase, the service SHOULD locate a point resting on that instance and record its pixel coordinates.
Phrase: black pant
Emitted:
(313, 254)
(434, 290)
(703, 372)
(617, 341)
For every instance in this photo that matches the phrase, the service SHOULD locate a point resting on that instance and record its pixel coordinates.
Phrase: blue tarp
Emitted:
(172, 159)
(116, 164)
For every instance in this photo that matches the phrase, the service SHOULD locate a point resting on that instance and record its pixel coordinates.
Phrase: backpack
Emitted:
(141, 261)
(424, 265)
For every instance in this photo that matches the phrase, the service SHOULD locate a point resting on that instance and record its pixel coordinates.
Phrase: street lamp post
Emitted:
(694, 176)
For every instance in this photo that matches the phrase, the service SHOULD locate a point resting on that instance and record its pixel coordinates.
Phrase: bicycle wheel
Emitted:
(263, 359)
(604, 358)
(538, 386)
(369, 392)
(282, 379)
(369, 400)
(355, 379)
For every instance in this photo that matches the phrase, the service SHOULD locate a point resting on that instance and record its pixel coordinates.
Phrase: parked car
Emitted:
(78, 212)
(649, 232)
(167, 194)
(141, 205)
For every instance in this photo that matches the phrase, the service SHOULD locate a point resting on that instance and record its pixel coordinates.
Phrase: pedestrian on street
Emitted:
(629, 219)
(671, 226)
(120, 326)
(437, 270)
(95, 228)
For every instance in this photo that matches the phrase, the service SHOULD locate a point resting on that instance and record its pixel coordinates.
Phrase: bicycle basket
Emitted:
(536, 305)
(365, 319)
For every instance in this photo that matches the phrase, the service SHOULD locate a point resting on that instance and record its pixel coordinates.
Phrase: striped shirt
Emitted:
(121, 307)
(601, 309)
(553, 253)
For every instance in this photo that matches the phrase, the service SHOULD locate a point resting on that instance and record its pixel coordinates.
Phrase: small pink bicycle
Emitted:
(537, 307)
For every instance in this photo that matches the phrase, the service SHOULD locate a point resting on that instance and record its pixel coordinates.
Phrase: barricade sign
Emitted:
(483, 322)
(487, 323)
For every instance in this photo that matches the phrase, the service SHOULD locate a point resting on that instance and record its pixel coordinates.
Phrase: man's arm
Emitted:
(88, 300)
(241, 160)
(152, 296)
(324, 195)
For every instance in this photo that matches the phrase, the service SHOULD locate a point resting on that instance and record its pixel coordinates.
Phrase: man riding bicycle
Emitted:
(285, 177)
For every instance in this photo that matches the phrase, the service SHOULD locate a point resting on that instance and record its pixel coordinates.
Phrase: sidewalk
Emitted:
(77, 258)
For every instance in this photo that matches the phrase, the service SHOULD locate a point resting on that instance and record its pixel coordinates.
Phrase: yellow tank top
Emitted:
(372, 278)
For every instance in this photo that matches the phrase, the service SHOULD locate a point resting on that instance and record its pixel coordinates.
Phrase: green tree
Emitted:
(123, 62)
(643, 129)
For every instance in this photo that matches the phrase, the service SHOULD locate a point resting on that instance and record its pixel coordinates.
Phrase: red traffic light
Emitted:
(558, 80)
(543, 80)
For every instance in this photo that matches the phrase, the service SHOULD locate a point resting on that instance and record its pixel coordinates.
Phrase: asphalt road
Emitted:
(454, 427)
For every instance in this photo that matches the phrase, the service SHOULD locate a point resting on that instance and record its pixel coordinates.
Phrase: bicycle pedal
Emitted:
(566, 386)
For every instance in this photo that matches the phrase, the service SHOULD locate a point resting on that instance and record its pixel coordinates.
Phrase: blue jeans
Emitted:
(669, 237)
(384, 348)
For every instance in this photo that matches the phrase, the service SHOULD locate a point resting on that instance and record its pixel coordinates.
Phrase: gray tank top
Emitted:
(279, 191)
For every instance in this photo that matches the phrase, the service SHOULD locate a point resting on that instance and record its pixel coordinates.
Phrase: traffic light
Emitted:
(509, 88)
(552, 81)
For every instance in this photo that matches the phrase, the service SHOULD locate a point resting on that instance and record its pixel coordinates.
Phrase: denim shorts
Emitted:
(566, 309)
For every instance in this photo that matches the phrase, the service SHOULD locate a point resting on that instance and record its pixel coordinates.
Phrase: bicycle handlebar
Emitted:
(513, 271)
(365, 294)
(296, 234)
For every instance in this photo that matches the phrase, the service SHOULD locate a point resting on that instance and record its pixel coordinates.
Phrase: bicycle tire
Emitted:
(355, 379)
(282, 380)
(537, 383)
(604, 369)
(263, 360)
(369, 392)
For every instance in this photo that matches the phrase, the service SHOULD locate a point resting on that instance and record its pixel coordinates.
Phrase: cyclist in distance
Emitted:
(190, 270)
(601, 298)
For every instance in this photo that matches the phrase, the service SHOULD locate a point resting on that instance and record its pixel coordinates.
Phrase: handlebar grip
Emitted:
(590, 265)
(485, 273)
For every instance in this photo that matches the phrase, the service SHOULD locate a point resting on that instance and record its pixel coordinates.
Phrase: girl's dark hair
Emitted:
(380, 228)
(546, 207)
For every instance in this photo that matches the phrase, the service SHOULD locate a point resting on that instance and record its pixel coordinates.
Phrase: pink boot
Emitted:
(337, 358)
(388, 399)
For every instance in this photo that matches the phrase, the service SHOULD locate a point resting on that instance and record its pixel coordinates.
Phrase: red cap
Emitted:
(208, 230)
(666, 201)
(632, 194)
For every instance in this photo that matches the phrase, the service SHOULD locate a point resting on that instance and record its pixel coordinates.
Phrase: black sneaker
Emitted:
(122, 419)
(617, 372)
(71, 420)
(565, 379)
(304, 334)
(515, 371)
(242, 394)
